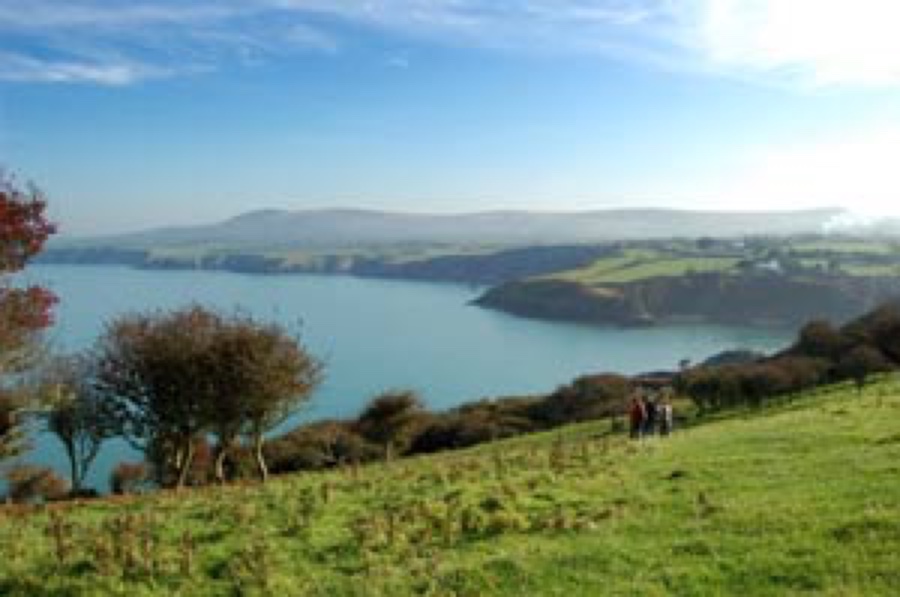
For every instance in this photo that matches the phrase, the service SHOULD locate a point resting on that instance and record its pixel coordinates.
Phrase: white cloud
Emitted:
(15, 67)
(99, 42)
(807, 42)
(817, 42)
(47, 14)
(558, 24)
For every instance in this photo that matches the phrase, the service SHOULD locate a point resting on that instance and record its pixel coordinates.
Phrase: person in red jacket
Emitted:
(637, 414)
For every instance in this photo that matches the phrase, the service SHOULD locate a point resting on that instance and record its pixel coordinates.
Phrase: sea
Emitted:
(375, 335)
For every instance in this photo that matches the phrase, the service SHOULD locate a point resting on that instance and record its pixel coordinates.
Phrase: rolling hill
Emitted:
(353, 228)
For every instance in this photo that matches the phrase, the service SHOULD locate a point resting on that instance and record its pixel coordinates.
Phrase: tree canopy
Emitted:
(175, 377)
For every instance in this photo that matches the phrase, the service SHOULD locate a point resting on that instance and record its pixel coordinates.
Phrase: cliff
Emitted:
(710, 297)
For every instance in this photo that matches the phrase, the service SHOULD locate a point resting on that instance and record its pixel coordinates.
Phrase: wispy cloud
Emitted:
(44, 14)
(398, 61)
(16, 67)
(559, 24)
(112, 43)
(808, 42)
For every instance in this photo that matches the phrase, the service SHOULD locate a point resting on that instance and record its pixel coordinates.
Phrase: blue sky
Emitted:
(135, 114)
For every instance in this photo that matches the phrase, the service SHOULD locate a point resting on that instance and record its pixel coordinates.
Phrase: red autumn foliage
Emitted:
(23, 225)
(24, 229)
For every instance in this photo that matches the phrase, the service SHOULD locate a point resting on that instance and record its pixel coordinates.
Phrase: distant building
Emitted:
(773, 266)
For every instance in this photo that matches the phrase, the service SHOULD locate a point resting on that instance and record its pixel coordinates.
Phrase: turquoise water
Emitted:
(379, 334)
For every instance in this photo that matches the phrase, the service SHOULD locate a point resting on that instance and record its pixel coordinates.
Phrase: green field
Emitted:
(637, 264)
(873, 271)
(860, 258)
(846, 246)
(798, 499)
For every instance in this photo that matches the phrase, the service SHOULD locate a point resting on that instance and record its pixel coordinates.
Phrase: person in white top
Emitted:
(665, 416)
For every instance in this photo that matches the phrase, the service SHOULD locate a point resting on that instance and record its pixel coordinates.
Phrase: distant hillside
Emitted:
(754, 281)
(353, 228)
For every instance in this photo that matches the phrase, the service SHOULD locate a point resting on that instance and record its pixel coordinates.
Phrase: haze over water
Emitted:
(376, 335)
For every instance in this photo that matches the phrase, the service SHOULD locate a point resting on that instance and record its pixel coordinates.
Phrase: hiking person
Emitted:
(636, 415)
(650, 417)
(666, 417)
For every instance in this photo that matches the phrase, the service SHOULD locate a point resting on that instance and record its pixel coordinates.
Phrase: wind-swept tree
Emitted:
(151, 369)
(176, 377)
(273, 375)
(76, 414)
(24, 312)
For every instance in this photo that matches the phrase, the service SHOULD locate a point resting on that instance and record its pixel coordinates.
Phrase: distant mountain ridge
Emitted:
(355, 227)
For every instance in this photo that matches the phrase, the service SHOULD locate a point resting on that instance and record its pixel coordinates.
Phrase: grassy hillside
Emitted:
(799, 499)
(800, 256)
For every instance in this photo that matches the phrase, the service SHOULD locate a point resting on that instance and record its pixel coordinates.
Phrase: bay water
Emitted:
(375, 335)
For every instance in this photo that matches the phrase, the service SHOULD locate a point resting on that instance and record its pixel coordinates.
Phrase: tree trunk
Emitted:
(260, 458)
(73, 468)
(220, 463)
(185, 465)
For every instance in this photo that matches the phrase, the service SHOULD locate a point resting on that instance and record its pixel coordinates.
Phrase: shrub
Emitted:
(713, 388)
(861, 362)
(805, 372)
(130, 478)
(318, 446)
(820, 339)
(442, 432)
(587, 398)
(29, 484)
(760, 381)
(456, 430)
(390, 420)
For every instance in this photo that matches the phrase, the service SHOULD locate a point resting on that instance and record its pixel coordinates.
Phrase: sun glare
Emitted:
(858, 172)
(824, 42)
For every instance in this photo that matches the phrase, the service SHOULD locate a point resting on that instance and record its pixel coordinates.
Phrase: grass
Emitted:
(845, 246)
(634, 265)
(798, 499)
(873, 271)
(859, 258)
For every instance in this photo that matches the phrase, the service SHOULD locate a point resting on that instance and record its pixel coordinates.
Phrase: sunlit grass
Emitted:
(802, 498)
(636, 265)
